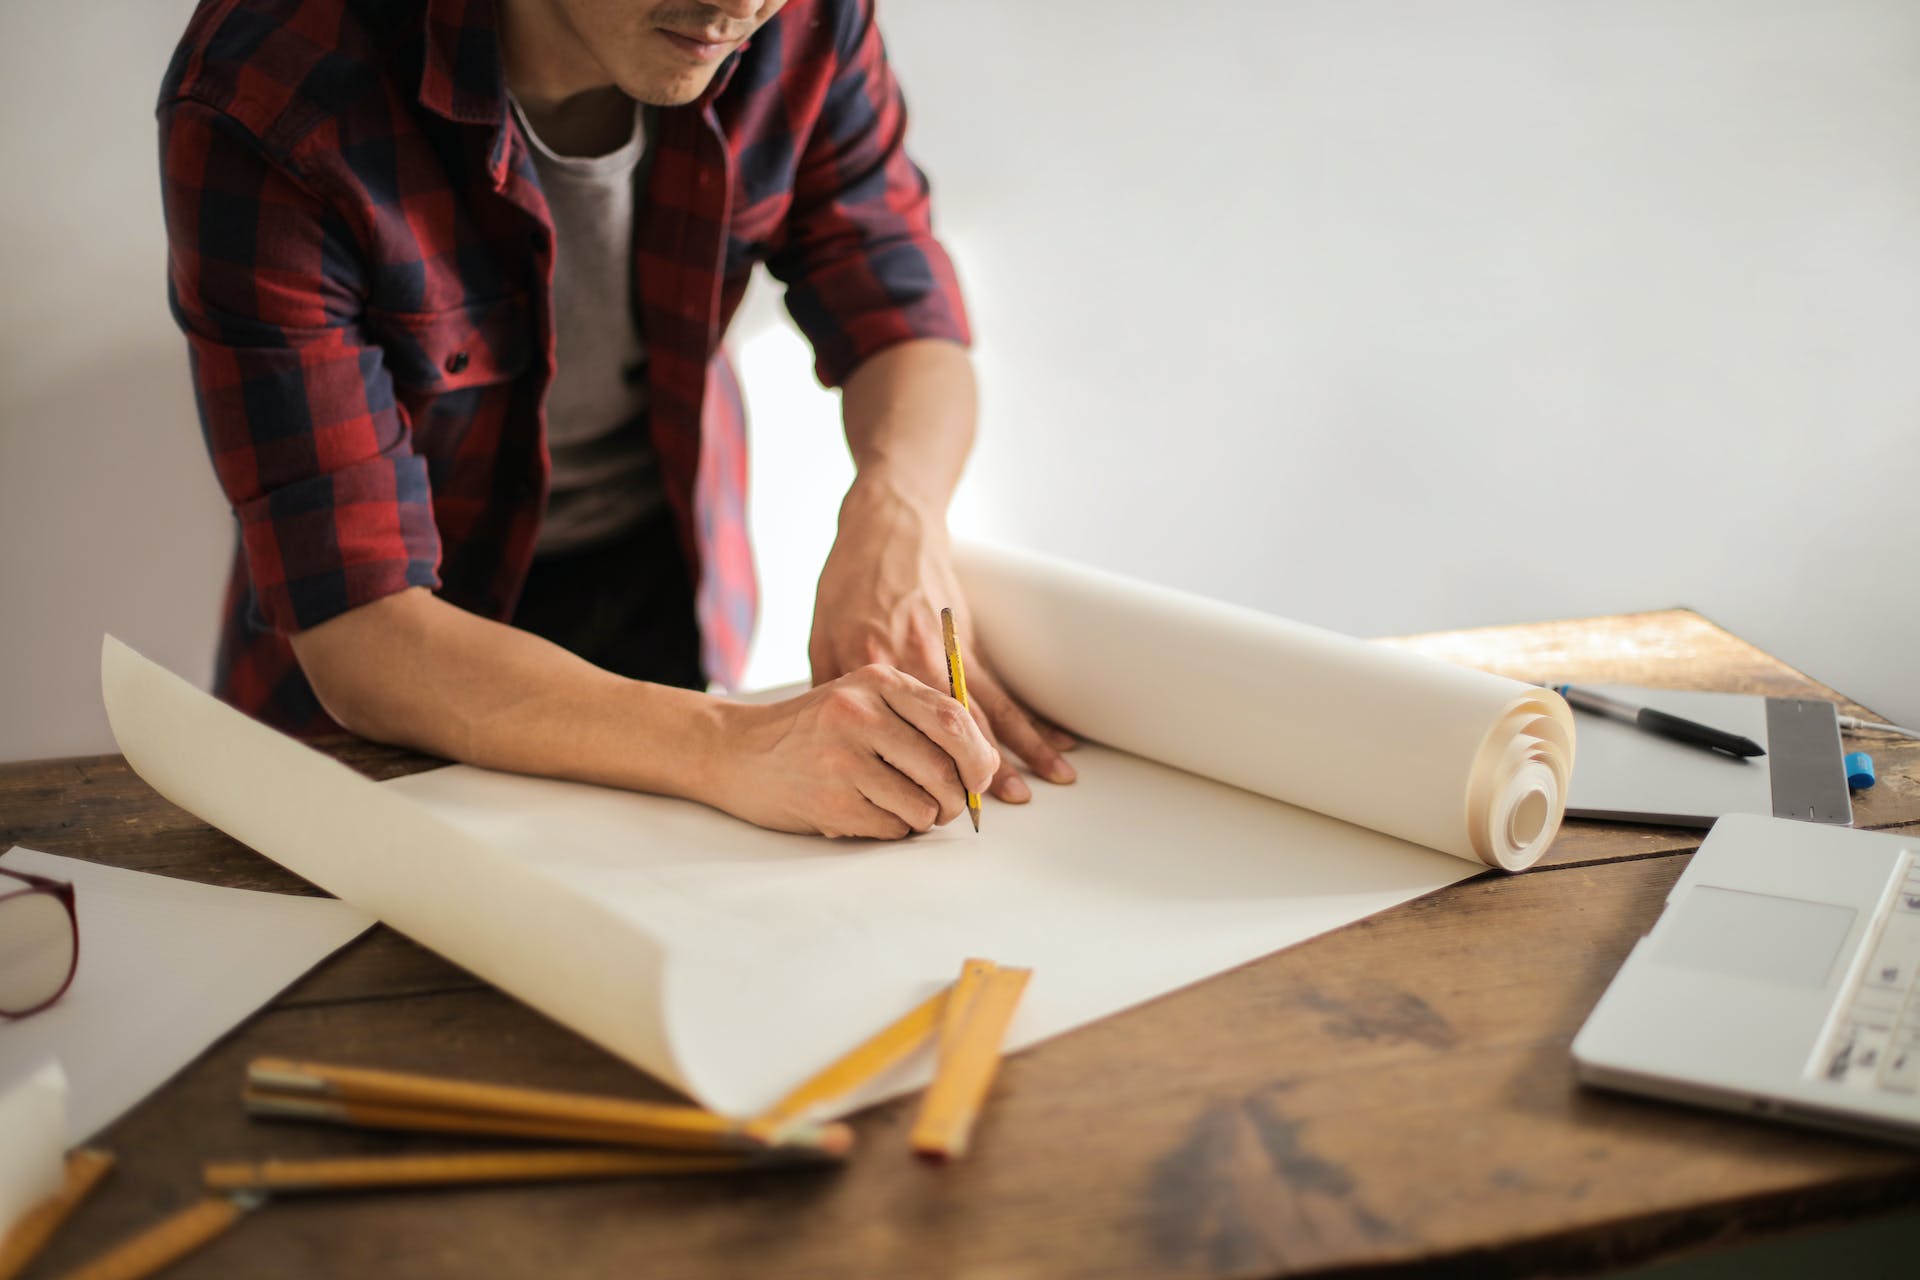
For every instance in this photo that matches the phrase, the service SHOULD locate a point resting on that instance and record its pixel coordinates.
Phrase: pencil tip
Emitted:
(975, 815)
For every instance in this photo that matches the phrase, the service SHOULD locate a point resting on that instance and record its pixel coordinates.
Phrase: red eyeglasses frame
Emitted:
(62, 892)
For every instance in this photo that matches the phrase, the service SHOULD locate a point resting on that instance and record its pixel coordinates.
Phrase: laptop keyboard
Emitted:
(1876, 1041)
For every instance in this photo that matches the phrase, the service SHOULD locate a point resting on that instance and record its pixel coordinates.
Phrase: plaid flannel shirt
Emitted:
(361, 260)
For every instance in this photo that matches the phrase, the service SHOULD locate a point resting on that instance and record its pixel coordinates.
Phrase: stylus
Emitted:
(1660, 722)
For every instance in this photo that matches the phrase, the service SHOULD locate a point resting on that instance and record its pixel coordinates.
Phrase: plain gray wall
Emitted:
(1387, 315)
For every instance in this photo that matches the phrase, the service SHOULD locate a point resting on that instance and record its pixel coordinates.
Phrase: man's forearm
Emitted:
(909, 415)
(877, 754)
(413, 670)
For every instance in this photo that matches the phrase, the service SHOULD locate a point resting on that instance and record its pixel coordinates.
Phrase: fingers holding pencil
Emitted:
(875, 753)
(1004, 721)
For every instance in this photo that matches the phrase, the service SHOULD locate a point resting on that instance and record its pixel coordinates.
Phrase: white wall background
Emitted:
(1388, 315)
(109, 516)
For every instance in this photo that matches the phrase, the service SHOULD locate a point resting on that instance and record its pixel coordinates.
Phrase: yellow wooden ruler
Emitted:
(968, 1021)
(969, 1058)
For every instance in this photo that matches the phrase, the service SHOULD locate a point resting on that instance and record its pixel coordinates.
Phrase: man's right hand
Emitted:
(875, 753)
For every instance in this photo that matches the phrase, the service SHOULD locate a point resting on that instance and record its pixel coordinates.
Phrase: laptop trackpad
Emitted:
(1789, 941)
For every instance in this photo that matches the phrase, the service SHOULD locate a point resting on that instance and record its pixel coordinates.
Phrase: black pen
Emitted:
(1667, 726)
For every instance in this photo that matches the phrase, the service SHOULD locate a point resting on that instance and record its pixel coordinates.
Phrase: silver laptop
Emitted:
(1779, 981)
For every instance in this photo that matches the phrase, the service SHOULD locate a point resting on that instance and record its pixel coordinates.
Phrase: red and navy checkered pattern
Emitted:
(361, 259)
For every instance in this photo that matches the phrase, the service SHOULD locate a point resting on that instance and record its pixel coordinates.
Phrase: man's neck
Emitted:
(588, 124)
(565, 94)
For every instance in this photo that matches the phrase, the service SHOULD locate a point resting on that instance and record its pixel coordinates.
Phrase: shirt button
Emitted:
(456, 362)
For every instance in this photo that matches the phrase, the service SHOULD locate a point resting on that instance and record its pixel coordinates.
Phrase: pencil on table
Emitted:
(957, 686)
(398, 1088)
(366, 1173)
(20, 1244)
(397, 1100)
(169, 1240)
(829, 1142)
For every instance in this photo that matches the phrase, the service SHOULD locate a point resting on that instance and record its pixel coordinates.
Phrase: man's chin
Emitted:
(675, 89)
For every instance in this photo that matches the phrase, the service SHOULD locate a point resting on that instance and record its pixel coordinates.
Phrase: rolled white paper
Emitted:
(1455, 759)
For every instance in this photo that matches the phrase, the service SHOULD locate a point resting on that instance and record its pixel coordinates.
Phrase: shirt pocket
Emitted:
(432, 353)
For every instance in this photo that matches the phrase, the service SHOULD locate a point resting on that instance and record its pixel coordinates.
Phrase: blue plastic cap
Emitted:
(1859, 770)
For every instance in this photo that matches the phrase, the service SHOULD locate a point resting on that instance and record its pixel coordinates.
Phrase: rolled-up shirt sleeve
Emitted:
(297, 408)
(857, 251)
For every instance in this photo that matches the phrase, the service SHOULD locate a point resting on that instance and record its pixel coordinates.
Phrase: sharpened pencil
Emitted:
(957, 686)
(169, 1240)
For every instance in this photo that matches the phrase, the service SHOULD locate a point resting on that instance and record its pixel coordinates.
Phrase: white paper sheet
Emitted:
(166, 968)
(732, 961)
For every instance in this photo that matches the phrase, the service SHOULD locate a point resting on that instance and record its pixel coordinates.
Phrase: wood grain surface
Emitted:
(1394, 1097)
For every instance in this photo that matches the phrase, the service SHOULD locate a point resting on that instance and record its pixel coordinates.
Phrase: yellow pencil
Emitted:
(957, 686)
(21, 1244)
(351, 1173)
(397, 1100)
(170, 1239)
(816, 1142)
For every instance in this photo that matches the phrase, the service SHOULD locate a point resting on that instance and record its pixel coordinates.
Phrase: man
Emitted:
(454, 276)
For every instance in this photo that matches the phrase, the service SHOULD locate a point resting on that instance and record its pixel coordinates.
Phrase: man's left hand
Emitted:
(887, 578)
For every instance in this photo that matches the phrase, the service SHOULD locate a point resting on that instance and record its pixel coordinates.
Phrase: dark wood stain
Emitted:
(1197, 1203)
(1381, 1013)
(1245, 1185)
(1310, 1174)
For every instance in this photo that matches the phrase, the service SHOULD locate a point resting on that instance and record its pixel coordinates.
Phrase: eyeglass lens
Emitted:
(36, 951)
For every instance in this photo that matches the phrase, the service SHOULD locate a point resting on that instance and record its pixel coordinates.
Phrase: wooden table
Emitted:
(1391, 1096)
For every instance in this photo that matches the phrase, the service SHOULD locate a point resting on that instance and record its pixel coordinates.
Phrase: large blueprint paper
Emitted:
(732, 961)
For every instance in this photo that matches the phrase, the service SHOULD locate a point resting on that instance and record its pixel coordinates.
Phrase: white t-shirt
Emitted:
(605, 476)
